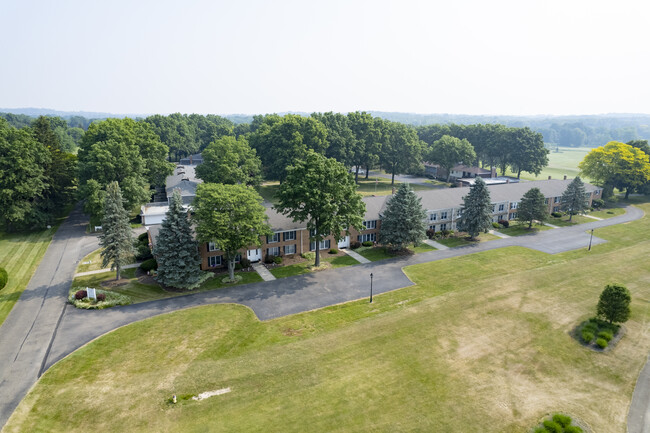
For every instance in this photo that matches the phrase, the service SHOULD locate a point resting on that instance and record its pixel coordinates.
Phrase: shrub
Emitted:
(563, 420)
(431, 233)
(245, 263)
(269, 259)
(334, 251)
(605, 335)
(105, 299)
(277, 260)
(144, 238)
(4, 277)
(602, 343)
(149, 265)
(354, 245)
(309, 256)
(552, 426)
(238, 266)
(540, 430)
(598, 203)
(572, 429)
(556, 214)
(495, 225)
(445, 233)
(101, 297)
(587, 336)
(142, 252)
(504, 223)
(80, 294)
(367, 244)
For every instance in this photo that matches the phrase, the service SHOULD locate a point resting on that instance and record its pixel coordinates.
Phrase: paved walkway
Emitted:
(435, 244)
(40, 329)
(263, 272)
(638, 418)
(101, 271)
(551, 226)
(499, 234)
(356, 256)
(593, 217)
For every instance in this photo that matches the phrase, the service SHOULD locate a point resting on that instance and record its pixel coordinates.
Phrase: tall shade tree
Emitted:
(476, 212)
(449, 151)
(641, 145)
(574, 198)
(366, 144)
(403, 221)
(231, 216)
(339, 136)
(320, 191)
(280, 142)
(176, 250)
(116, 237)
(532, 207)
(617, 165)
(614, 303)
(527, 151)
(231, 161)
(401, 149)
(22, 175)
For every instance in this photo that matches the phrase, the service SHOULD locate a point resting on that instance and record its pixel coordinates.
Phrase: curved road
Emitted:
(37, 333)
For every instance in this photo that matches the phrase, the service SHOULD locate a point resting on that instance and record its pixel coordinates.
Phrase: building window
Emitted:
(546, 201)
(502, 207)
(432, 228)
(275, 237)
(514, 205)
(556, 208)
(372, 237)
(290, 249)
(323, 245)
(372, 224)
(597, 192)
(443, 226)
(214, 261)
(212, 246)
(513, 215)
(556, 199)
(290, 236)
(443, 216)
(459, 213)
(433, 217)
(273, 251)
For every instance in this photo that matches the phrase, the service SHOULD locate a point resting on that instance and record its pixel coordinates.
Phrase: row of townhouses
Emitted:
(443, 207)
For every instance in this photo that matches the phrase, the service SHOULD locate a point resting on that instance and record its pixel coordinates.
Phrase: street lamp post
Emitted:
(590, 238)
(371, 287)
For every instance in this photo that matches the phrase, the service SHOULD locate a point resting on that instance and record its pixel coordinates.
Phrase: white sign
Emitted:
(98, 228)
(91, 294)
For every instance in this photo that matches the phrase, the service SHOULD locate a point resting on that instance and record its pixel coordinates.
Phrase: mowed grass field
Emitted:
(564, 162)
(20, 254)
(479, 343)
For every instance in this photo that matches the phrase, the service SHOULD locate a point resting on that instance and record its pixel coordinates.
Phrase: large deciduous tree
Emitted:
(574, 198)
(449, 151)
(476, 213)
(532, 207)
(401, 150)
(116, 237)
(231, 161)
(320, 191)
(617, 165)
(231, 216)
(614, 303)
(339, 136)
(403, 221)
(366, 143)
(176, 249)
(527, 151)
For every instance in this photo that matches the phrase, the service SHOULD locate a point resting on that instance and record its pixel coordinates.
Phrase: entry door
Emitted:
(345, 242)
(254, 255)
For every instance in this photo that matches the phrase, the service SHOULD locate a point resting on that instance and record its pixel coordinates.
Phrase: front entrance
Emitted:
(254, 255)
(345, 242)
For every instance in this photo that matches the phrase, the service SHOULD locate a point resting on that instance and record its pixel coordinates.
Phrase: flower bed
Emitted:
(105, 299)
(598, 334)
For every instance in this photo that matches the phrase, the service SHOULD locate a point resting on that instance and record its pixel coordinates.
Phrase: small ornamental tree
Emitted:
(231, 216)
(532, 207)
(176, 250)
(614, 303)
(319, 190)
(116, 237)
(403, 221)
(477, 210)
(574, 198)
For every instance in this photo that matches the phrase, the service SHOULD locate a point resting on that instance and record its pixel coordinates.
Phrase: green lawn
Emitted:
(461, 241)
(608, 212)
(382, 186)
(559, 164)
(139, 292)
(516, 229)
(304, 267)
(93, 262)
(564, 220)
(374, 253)
(20, 255)
(478, 343)
(421, 248)
(268, 191)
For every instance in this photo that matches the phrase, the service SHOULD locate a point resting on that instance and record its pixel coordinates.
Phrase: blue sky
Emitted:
(462, 56)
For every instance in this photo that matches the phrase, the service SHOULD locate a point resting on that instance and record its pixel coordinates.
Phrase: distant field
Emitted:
(564, 162)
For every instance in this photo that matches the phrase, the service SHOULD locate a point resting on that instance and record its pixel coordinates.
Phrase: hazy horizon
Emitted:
(468, 57)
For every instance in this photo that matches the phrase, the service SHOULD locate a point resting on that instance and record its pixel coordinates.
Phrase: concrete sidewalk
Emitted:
(435, 244)
(356, 256)
(263, 272)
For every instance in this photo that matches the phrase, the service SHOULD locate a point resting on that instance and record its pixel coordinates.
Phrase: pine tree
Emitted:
(403, 221)
(477, 210)
(532, 207)
(574, 198)
(176, 250)
(116, 237)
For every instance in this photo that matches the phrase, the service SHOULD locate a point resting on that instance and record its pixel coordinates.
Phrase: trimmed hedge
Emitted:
(4, 277)
(334, 251)
(367, 243)
(149, 265)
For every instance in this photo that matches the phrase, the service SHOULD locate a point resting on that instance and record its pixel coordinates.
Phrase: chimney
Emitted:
(493, 172)
(565, 177)
(549, 178)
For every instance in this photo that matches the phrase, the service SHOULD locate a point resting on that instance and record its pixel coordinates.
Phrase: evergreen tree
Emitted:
(176, 250)
(403, 221)
(477, 210)
(532, 207)
(574, 198)
(116, 237)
